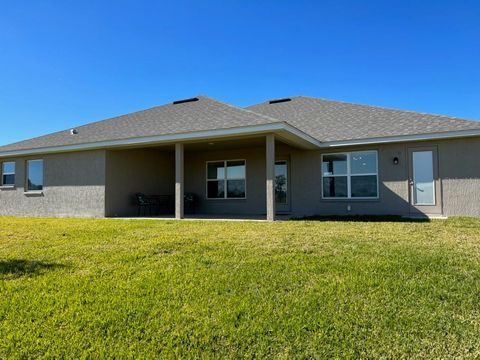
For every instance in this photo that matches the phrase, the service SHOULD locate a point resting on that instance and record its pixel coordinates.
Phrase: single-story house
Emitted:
(291, 157)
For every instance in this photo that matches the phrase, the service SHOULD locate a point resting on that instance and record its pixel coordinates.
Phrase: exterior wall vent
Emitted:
(185, 101)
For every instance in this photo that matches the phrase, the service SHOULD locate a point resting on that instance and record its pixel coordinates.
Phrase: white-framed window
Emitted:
(8, 173)
(226, 179)
(34, 175)
(350, 175)
(281, 182)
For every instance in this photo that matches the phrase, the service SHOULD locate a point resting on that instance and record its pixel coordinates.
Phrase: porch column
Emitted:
(270, 171)
(179, 181)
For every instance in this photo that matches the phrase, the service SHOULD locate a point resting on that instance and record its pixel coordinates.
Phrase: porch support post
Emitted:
(270, 171)
(179, 178)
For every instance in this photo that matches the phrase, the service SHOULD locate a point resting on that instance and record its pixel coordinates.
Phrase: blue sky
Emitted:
(66, 63)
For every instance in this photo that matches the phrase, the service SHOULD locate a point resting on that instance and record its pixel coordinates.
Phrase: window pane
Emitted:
(35, 175)
(8, 168)
(424, 189)
(363, 163)
(236, 169)
(335, 164)
(364, 186)
(216, 170)
(8, 180)
(335, 187)
(235, 188)
(216, 189)
(281, 182)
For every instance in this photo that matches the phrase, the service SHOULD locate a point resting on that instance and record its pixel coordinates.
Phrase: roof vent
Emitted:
(276, 101)
(73, 131)
(185, 101)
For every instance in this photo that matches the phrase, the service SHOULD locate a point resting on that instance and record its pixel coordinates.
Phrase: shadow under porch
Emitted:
(151, 171)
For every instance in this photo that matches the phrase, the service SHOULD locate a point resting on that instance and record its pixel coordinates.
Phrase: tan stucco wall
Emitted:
(128, 172)
(74, 185)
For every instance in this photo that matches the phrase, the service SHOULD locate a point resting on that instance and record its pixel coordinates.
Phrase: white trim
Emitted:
(27, 190)
(33, 192)
(349, 176)
(225, 179)
(402, 138)
(7, 187)
(283, 128)
(414, 194)
(3, 173)
(287, 203)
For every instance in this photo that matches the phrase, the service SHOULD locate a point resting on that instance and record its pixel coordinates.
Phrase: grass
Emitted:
(300, 289)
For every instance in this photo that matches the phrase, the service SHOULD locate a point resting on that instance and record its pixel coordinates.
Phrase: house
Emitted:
(289, 157)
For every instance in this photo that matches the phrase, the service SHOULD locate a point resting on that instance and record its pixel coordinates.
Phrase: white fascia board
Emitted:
(282, 128)
(402, 138)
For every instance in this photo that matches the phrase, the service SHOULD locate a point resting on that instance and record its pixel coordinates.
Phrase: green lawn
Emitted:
(298, 289)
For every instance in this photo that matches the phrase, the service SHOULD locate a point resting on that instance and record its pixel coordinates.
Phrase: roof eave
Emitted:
(283, 130)
(402, 138)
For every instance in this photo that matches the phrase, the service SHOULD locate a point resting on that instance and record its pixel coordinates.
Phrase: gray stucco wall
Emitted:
(74, 185)
(306, 185)
(98, 183)
(128, 172)
(458, 182)
(460, 175)
(195, 181)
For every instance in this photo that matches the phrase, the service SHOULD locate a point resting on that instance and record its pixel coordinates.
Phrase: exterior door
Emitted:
(424, 184)
(282, 186)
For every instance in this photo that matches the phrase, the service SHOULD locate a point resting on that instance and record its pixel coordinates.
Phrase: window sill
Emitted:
(33, 193)
(7, 187)
(350, 200)
(225, 199)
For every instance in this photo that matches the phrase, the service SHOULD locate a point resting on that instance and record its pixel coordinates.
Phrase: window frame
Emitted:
(349, 176)
(2, 184)
(27, 174)
(287, 201)
(225, 180)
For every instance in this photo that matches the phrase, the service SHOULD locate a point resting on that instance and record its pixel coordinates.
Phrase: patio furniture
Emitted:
(162, 202)
(144, 203)
(190, 201)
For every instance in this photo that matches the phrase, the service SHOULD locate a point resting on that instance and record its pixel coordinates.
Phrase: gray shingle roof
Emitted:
(328, 120)
(324, 120)
(204, 114)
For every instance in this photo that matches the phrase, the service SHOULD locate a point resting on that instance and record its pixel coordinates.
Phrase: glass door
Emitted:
(282, 193)
(423, 180)
(425, 194)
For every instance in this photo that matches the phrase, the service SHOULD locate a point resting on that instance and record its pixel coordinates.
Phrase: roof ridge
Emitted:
(384, 108)
(243, 109)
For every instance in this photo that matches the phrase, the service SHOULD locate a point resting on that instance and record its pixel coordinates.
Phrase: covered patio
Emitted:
(215, 178)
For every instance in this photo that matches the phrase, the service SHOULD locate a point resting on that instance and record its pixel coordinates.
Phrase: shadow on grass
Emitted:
(361, 218)
(16, 268)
